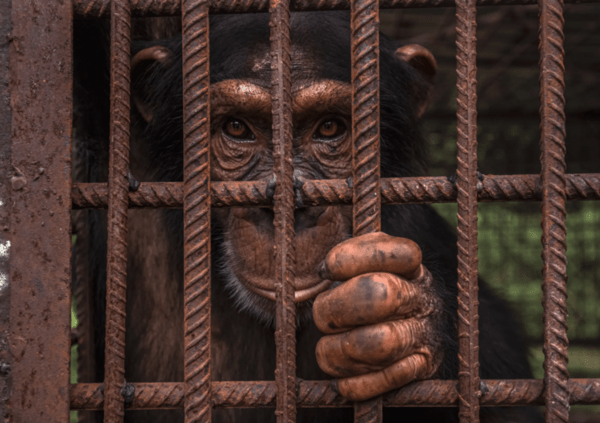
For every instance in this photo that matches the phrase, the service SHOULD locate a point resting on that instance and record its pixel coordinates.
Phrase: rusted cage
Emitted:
(37, 195)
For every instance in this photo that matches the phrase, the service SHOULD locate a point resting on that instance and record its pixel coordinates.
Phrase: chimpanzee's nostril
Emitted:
(298, 183)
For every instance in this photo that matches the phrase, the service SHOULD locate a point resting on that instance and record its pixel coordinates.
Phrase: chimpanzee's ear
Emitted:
(140, 64)
(423, 61)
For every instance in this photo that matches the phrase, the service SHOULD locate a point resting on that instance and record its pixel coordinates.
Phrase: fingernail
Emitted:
(334, 386)
(322, 271)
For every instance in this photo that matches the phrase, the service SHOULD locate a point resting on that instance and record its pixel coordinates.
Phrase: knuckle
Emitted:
(372, 287)
(378, 343)
(324, 355)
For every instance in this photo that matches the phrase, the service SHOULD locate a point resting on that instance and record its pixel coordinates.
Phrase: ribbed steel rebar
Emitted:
(554, 253)
(99, 8)
(366, 198)
(283, 207)
(319, 394)
(116, 274)
(196, 212)
(337, 191)
(466, 183)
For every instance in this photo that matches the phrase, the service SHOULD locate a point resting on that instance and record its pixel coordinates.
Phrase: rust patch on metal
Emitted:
(40, 215)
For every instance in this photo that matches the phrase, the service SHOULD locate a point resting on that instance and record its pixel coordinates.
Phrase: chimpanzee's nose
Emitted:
(298, 182)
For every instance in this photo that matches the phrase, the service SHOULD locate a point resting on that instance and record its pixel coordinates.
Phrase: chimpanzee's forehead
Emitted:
(304, 65)
(240, 47)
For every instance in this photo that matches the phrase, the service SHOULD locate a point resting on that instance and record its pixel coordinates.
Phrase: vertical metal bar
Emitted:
(284, 204)
(468, 315)
(196, 211)
(116, 271)
(365, 133)
(552, 143)
(5, 204)
(40, 214)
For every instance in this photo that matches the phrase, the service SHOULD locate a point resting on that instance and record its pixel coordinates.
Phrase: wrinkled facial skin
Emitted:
(242, 150)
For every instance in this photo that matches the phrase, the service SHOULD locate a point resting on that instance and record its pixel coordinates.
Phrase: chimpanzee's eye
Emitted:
(330, 129)
(238, 130)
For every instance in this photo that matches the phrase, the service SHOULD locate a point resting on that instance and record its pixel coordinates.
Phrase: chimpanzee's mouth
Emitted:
(299, 296)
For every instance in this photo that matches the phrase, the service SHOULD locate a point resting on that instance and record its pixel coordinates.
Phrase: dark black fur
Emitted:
(503, 350)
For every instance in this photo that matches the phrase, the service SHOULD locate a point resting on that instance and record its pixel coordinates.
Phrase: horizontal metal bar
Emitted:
(147, 8)
(337, 191)
(318, 394)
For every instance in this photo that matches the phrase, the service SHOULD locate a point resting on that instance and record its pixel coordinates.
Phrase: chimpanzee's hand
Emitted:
(381, 322)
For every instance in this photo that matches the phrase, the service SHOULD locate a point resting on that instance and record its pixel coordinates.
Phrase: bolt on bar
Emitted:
(196, 211)
(365, 134)
(116, 273)
(283, 208)
(466, 183)
(552, 143)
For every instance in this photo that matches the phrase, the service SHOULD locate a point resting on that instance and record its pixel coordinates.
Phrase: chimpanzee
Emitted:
(389, 317)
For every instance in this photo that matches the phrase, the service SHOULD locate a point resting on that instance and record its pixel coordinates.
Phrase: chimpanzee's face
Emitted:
(242, 144)
(242, 150)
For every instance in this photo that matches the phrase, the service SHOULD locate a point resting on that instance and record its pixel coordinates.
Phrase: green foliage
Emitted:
(509, 238)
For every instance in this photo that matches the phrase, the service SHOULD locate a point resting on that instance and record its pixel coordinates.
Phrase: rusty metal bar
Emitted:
(466, 183)
(552, 145)
(336, 191)
(5, 204)
(283, 208)
(39, 179)
(116, 273)
(514, 392)
(99, 8)
(196, 212)
(366, 195)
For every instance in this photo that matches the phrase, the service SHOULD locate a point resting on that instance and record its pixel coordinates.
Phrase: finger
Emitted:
(361, 388)
(374, 252)
(365, 300)
(369, 348)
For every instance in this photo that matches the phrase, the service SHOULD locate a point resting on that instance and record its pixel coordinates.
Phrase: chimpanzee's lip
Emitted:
(299, 295)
